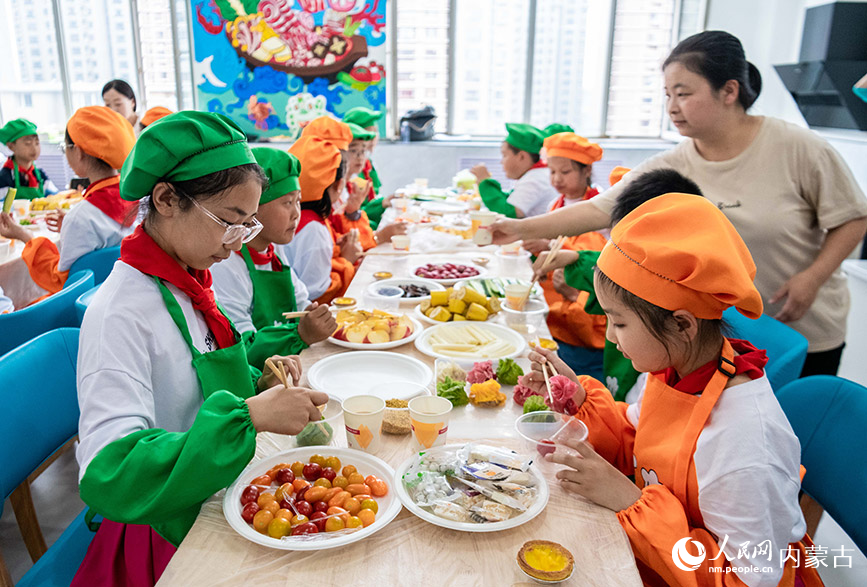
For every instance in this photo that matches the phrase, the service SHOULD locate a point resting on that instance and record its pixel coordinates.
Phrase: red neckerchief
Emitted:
(28, 174)
(265, 257)
(749, 361)
(561, 201)
(365, 173)
(307, 216)
(539, 165)
(105, 195)
(139, 250)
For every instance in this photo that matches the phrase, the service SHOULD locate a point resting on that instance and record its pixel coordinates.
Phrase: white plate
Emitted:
(536, 293)
(389, 505)
(482, 272)
(444, 207)
(422, 343)
(398, 281)
(347, 374)
(427, 516)
(367, 346)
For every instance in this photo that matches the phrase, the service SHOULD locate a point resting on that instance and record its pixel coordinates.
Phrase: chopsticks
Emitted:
(555, 248)
(545, 367)
(300, 314)
(281, 376)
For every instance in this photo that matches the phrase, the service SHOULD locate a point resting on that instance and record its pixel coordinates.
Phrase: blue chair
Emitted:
(828, 415)
(83, 302)
(99, 261)
(25, 397)
(57, 311)
(786, 347)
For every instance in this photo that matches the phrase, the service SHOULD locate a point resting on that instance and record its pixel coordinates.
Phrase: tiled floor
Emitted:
(55, 495)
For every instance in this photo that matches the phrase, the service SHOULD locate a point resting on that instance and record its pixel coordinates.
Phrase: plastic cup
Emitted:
(429, 416)
(400, 242)
(21, 208)
(324, 431)
(516, 296)
(511, 248)
(400, 204)
(421, 183)
(512, 263)
(530, 319)
(362, 418)
(481, 222)
(545, 432)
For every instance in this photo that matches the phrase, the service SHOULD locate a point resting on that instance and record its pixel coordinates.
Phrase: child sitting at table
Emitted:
(715, 461)
(580, 336)
(374, 205)
(324, 262)
(18, 171)
(97, 142)
(170, 408)
(576, 278)
(358, 189)
(532, 193)
(255, 286)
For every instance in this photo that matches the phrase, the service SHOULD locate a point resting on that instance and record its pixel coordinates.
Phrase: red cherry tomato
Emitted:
(306, 528)
(302, 492)
(303, 508)
(285, 476)
(249, 494)
(312, 471)
(320, 506)
(319, 518)
(328, 473)
(249, 511)
(287, 504)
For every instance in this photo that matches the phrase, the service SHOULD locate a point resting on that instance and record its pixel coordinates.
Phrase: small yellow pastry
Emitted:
(545, 560)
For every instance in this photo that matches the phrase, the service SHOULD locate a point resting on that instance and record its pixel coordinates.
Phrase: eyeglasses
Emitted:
(234, 232)
(64, 147)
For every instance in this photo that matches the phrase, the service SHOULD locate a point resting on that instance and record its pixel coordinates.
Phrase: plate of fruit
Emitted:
(302, 500)
(374, 330)
(457, 304)
(448, 273)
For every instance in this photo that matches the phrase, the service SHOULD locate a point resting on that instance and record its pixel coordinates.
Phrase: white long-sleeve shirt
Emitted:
(233, 288)
(533, 192)
(86, 228)
(310, 254)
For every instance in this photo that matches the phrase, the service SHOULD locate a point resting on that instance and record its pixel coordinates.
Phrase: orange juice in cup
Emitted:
(516, 296)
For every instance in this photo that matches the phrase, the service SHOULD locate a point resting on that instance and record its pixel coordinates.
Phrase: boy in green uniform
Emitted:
(19, 172)
(366, 118)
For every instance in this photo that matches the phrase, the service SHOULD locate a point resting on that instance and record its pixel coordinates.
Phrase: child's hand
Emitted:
(384, 234)
(285, 410)
(318, 325)
(54, 220)
(350, 249)
(290, 364)
(591, 476)
(568, 292)
(9, 228)
(536, 379)
(560, 260)
(480, 171)
(356, 199)
(537, 245)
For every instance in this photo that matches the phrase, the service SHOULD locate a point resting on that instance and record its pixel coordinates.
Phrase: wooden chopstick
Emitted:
(555, 248)
(300, 314)
(548, 383)
(281, 375)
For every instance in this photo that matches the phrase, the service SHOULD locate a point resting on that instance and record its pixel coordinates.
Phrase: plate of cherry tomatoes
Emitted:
(312, 498)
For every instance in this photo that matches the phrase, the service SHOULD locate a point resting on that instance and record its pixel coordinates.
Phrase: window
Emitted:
(571, 80)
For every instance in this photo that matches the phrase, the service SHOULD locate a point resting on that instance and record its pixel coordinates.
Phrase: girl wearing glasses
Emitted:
(97, 142)
(324, 262)
(255, 285)
(169, 406)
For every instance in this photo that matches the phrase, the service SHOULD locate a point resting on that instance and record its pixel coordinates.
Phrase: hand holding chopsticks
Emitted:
(543, 269)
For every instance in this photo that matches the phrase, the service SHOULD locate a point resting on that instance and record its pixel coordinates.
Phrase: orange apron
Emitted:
(665, 440)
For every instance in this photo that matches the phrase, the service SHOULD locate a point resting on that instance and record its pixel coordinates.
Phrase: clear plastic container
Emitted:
(530, 320)
(544, 432)
(323, 433)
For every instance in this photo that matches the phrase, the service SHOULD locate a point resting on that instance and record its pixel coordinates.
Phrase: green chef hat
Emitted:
(15, 129)
(555, 128)
(359, 134)
(282, 169)
(363, 117)
(525, 137)
(184, 145)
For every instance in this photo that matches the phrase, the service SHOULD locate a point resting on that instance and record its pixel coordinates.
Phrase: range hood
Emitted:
(833, 58)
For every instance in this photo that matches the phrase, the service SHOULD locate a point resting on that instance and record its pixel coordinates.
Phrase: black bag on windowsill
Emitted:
(418, 125)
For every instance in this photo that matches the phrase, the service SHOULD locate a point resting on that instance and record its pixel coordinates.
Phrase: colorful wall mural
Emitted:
(274, 65)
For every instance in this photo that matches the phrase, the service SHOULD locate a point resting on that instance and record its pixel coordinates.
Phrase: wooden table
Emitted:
(410, 551)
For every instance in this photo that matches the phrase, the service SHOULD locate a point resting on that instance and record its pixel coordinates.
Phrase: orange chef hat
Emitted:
(617, 174)
(572, 146)
(154, 114)
(102, 133)
(329, 129)
(680, 252)
(319, 160)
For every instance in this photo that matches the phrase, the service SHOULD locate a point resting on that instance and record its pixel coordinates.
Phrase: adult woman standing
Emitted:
(787, 191)
(119, 96)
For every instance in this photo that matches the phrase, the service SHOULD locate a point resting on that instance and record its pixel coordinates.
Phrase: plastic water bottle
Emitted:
(404, 132)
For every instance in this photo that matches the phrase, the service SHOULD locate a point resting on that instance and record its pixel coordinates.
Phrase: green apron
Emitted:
(27, 193)
(273, 294)
(222, 369)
